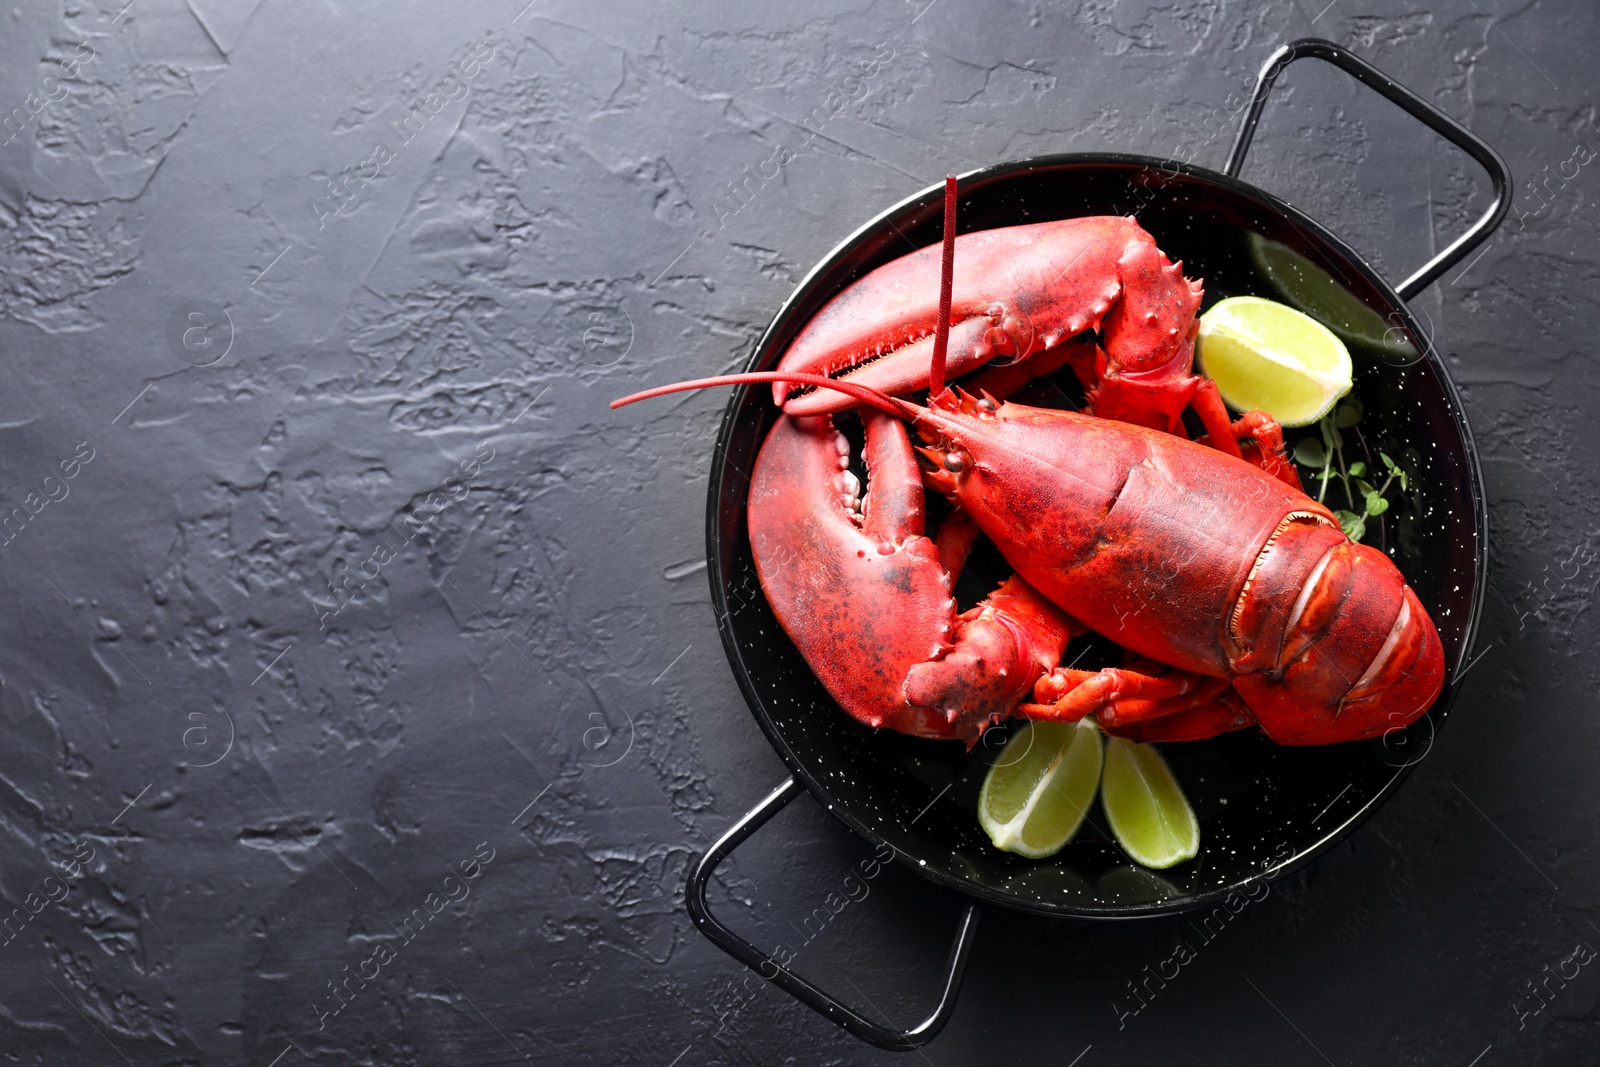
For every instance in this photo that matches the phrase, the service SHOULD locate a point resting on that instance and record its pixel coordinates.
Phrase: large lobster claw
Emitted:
(1017, 290)
(861, 591)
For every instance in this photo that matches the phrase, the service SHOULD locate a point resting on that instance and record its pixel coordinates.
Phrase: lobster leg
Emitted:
(1141, 704)
(1070, 695)
(1224, 434)
(1214, 416)
(1269, 453)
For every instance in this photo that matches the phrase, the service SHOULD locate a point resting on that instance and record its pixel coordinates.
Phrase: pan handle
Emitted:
(1413, 105)
(885, 1037)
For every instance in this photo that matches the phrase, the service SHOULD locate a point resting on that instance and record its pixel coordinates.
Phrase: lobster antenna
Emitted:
(947, 270)
(882, 401)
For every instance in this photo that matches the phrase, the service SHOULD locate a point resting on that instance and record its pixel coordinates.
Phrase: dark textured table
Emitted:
(362, 696)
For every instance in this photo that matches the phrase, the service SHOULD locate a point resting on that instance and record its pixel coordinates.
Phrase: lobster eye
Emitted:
(954, 463)
(985, 405)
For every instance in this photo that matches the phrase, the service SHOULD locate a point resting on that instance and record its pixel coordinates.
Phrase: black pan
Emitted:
(1264, 810)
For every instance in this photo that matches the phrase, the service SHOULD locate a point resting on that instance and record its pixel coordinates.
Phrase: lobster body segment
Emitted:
(1140, 535)
(1197, 560)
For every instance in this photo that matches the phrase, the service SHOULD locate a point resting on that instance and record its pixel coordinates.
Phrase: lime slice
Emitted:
(1322, 296)
(1149, 815)
(1038, 791)
(1263, 354)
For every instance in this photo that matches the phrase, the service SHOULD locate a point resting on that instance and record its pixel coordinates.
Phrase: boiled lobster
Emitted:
(1237, 597)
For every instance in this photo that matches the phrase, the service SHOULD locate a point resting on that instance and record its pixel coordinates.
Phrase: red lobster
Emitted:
(1237, 596)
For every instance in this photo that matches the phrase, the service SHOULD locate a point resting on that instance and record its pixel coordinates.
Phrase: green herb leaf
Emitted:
(1309, 453)
(1353, 525)
(1363, 486)
(1376, 505)
(1387, 462)
(1357, 469)
(1348, 414)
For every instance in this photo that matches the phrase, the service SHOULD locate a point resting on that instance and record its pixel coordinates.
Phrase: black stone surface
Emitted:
(274, 354)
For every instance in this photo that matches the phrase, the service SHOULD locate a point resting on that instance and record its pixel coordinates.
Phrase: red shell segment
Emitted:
(1017, 290)
(1142, 536)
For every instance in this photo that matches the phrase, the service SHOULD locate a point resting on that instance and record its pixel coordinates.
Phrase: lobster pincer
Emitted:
(1017, 291)
(867, 597)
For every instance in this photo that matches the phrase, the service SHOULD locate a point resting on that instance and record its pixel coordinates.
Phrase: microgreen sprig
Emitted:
(1326, 458)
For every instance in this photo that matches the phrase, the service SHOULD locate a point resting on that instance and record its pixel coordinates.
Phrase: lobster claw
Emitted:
(860, 589)
(1017, 290)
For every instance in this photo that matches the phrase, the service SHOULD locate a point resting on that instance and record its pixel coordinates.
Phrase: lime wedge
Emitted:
(1039, 789)
(1322, 296)
(1263, 354)
(1148, 813)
